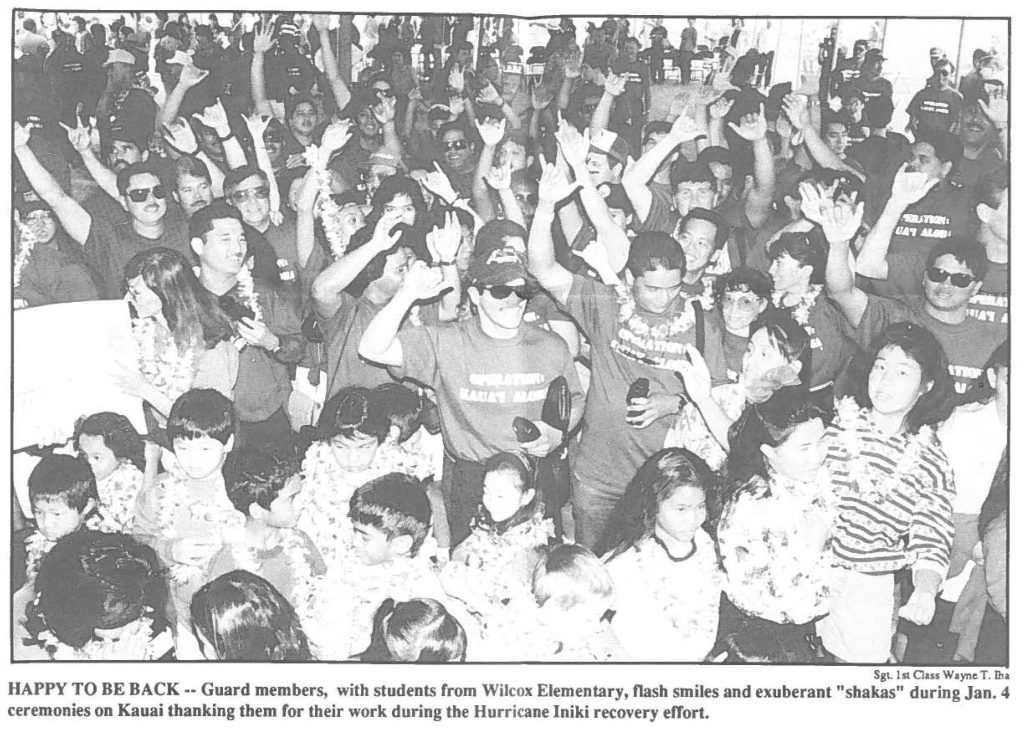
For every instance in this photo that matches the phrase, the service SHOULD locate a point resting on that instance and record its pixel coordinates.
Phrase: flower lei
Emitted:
(294, 550)
(327, 209)
(36, 546)
(218, 511)
(869, 480)
(118, 492)
(631, 321)
(126, 647)
(247, 289)
(801, 310)
(163, 365)
(27, 242)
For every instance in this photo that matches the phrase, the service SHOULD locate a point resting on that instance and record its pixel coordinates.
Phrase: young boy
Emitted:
(387, 557)
(185, 513)
(266, 490)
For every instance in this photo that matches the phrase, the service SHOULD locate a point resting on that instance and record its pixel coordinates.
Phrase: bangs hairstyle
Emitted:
(201, 413)
(417, 631)
(254, 475)
(63, 477)
(403, 408)
(965, 251)
(936, 404)
(742, 279)
(394, 504)
(202, 220)
(235, 178)
(789, 336)
(809, 250)
(192, 313)
(92, 580)
(410, 237)
(947, 146)
(354, 409)
(494, 233)
(246, 619)
(569, 575)
(652, 250)
(117, 433)
(770, 423)
(660, 476)
(150, 166)
(704, 214)
(397, 185)
(981, 390)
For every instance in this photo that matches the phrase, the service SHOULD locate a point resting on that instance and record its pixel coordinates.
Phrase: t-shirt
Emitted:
(968, 172)
(826, 328)
(872, 88)
(295, 279)
(610, 451)
(968, 345)
(53, 275)
(936, 109)
(342, 333)
(943, 213)
(483, 383)
(111, 244)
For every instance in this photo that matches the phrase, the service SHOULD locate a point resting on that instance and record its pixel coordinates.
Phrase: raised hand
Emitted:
(423, 282)
(257, 125)
(384, 110)
(696, 378)
(553, 186)
(997, 109)
(720, 107)
(263, 40)
(752, 127)
(383, 236)
(415, 94)
(491, 132)
(840, 222)
(79, 136)
(22, 134)
(574, 146)
(322, 21)
(456, 79)
(457, 104)
(337, 135)
(438, 184)
(179, 135)
(795, 107)
(443, 242)
(541, 96)
(909, 187)
(215, 118)
(500, 177)
(614, 84)
(686, 127)
(191, 74)
(489, 95)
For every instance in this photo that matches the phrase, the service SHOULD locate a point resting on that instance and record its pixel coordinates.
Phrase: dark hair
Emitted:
(981, 390)
(254, 475)
(191, 166)
(64, 477)
(789, 336)
(655, 482)
(878, 112)
(117, 433)
(397, 185)
(809, 250)
(402, 406)
(149, 166)
(712, 217)
(652, 250)
(523, 467)
(353, 409)
(997, 501)
(91, 580)
(410, 237)
(965, 251)
(570, 574)
(394, 504)
(742, 279)
(193, 314)
(948, 147)
(991, 186)
(416, 631)
(685, 171)
(238, 176)
(770, 423)
(453, 126)
(916, 341)
(493, 234)
(245, 618)
(202, 220)
(717, 154)
(201, 413)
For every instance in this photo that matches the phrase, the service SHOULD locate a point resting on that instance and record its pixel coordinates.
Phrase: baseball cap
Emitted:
(125, 129)
(609, 143)
(119, 56)
(382, 157)
(690, 172)
(493, 234)
(27, 201)
(873, 54)
(499, 267)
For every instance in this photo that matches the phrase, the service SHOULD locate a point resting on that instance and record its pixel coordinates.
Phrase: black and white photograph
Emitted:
(498, 339)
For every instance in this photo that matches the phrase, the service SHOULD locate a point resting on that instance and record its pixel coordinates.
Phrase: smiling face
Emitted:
(304, 119)
(252, 199)
(693, 194)
(42, 224)
(506, 314)
(923, 159)
(975, 128)
(223, 249)
(193, 193)
(895, 382)
(740, 309)
(456, 149)
(697, 238)
(656, 290)
(681, 514)
(801, 455)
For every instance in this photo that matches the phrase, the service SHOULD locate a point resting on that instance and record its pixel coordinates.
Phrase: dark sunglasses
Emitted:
(384, 93)
(456, 145)
(138, 195)
(957, 279)
(502, 292)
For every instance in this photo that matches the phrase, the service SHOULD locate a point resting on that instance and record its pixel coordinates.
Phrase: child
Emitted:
(62, 492)
(115, 453)
(664, 564)
(385, 557)
(417, 631)
(98, 599)
(353, 450)
(241, 617)
(184, 514)
(508, 537)
(266, 489)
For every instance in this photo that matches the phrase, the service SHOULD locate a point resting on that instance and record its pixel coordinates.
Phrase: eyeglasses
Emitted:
(741, 302)
(455, 145)
(502, 292)
(139, 195)
(250, 194)
(957, 279)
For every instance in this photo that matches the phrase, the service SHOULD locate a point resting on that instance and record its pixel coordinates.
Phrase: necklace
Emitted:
(293, 548)
(801, 309)
(164, 366)
(247, 289)
(27, 241)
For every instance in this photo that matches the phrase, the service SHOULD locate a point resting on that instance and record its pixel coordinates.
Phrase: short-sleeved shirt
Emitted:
(294, 277)
(943, 213)
(611, 451)
(483, 383)
(53, 275)
(872, 88)
(936, 109)
(826, 328)
(968, 345)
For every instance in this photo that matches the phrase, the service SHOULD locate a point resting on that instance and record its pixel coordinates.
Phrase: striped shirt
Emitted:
(895, 497)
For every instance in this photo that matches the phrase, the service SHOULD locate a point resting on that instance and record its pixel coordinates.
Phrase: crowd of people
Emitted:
(441, 367)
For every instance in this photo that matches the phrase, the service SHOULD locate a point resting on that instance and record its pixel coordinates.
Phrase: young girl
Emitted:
(775, 533)
(895, 492)
(178, 328)
(99, 597)
(508, 536)
(416, 631)
(241, 617)
(778, 354)
(115, 453)
(353, 451)
(668, 584)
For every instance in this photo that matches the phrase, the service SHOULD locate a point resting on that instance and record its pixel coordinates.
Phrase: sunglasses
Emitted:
(502, 292)
(387, 93)
(250, 194)
(138, 195)
(957, 279)
(456, 145)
